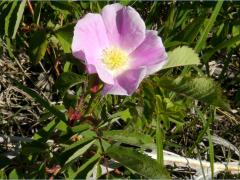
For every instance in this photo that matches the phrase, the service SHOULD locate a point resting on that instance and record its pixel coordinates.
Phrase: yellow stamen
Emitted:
(114, 58)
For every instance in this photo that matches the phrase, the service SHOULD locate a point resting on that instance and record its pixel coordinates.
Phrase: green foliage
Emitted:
(208, 28)
(84, 130)
(13, 174)
(200, 88)
(19, 17)
(159, 132)
(129, 137)
(41, 100)
(182, 56)
(82, 171)
(79, 152)
(67, 80)
(138, 162)
(65, 35)
(38, 46)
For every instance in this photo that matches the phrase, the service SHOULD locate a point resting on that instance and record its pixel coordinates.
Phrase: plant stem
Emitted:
(159, 142)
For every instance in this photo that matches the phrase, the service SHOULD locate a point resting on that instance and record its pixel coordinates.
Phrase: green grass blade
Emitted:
(19, 17)
(159, 133)
(211, 148)
(202, 133)
(224, 44)
(208, 28)
(6, 28)
(41, 100)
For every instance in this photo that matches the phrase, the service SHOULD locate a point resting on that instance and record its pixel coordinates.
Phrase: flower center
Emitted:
(114, 58)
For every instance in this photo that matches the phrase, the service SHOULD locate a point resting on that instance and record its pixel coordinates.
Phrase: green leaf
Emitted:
(4, 161)
(159, 132)
(79, 152)
(2, 174)
(38, 46)
(70, 151)
(208, 28)
(127, 137)
(34, 147)
(45, 133)
(193, 29)
(65, 35)
(225, 44)
(6, 28)
(181, 56)
(19, 17)
(37, 12)
(140, 163)
(70, 100)
(8, 17)
(67, 80)
(81, 127)
(80, 173)
(13, 174)
(124, 115)
(40, 100)
(200, 88)
(65, 7)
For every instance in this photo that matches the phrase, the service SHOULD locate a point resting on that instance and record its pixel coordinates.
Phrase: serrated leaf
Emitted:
(200, 88)
(140, 163)
(182, 56)
(67, 80)
(38, 46)
(65, 35)
(19, 17)
(127, 137)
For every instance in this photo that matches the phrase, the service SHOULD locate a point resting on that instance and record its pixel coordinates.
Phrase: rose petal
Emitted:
(125, 27)
(90, 39)
(151, 53)
(126, 83)
(115, 89)
(91, 69)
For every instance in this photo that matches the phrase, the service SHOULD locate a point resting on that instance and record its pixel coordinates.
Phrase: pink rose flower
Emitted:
(116, 45)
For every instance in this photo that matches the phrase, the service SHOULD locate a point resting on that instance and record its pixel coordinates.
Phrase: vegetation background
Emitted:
(53, 124)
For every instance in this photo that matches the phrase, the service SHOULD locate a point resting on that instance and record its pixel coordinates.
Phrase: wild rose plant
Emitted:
(97, 121)
(117, 46)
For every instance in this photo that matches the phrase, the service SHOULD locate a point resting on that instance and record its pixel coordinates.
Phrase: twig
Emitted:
(30, 7)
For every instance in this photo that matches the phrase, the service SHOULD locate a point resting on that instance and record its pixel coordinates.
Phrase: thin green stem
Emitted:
(89, 104)
(159, 142)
